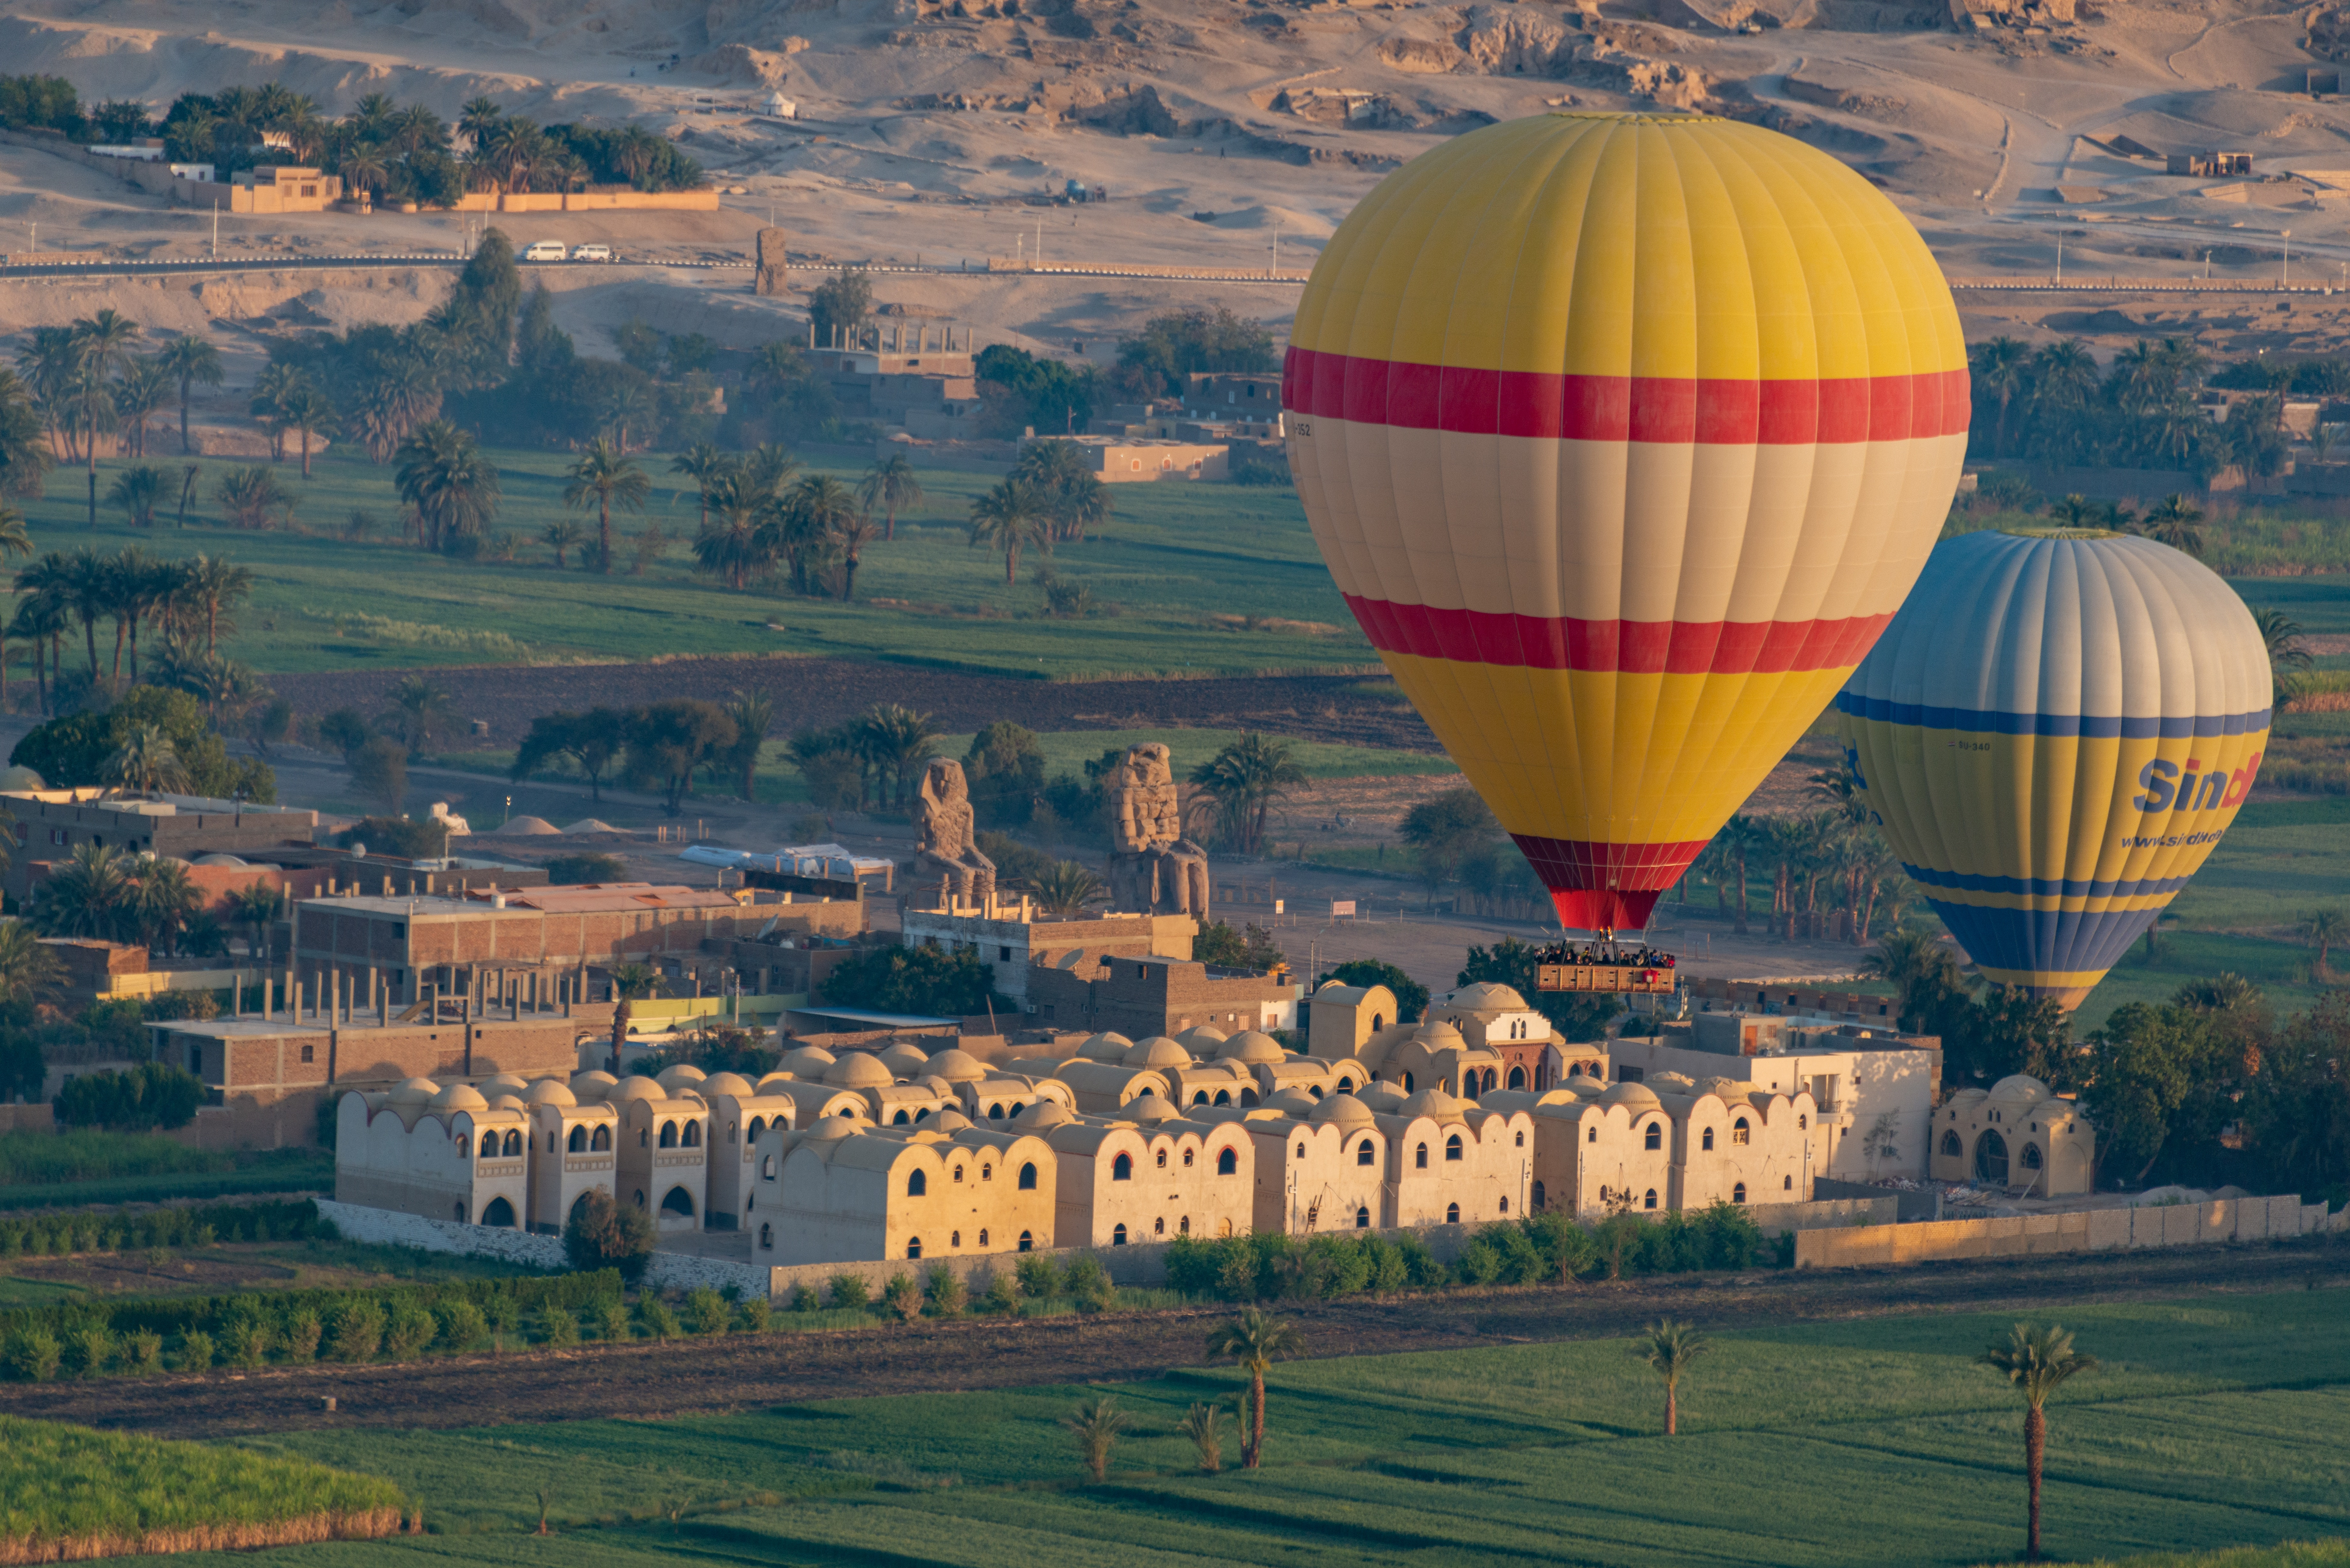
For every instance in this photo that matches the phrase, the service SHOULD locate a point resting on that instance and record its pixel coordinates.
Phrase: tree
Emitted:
(2001, 368)
(605, 1234)
(2296, 1109)
(2156, 1079)
(2324, 928)
(146, 762)
(2281, 634)
(925, 981)
(165, 903)
(258, 905)
(670, 741)
(104, 344)
(1255, 1340)
(593, 740)
(631, 982)
(702, 462)
(1203, 1423)
(1010, 517)
(1096, 1426)
(24, 455)
(147, 1096)
(453, 488)
(2037, 1361)
(605, 478)
(30, 972)
(252, 497)
(805, 526)
(1244, 781)
(560, 536)
(850, 533)
(754, 715)
(1251, 948)
(418, 706)
(310, 413)
(897, 743)
(1064, 889)
(379, 773)
(889, 488)
(840, 306)
(2173, 522)
(141, 388)
(1670, 1347)
(90, 895)
(1411, 997)
(1443, 830)
(137, 490)
(214, 588)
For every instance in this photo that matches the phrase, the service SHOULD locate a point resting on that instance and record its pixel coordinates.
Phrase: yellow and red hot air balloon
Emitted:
(1624, 436)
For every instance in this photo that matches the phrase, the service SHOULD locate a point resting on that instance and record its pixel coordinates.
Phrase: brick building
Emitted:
(1151, 994)
(1016, 938)
(50, 824)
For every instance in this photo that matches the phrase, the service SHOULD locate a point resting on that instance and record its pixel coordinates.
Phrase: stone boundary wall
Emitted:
(2084, 1230)
(667, 1270)
(28, 1119)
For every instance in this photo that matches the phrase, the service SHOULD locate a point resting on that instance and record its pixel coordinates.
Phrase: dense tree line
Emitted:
(662, 746)
(2054, 404)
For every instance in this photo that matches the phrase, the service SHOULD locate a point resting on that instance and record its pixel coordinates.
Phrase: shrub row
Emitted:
(194, 1226)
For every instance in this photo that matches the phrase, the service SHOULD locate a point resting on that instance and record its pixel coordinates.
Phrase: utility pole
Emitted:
(216, 228)
(2060, 257)
(2284, 266)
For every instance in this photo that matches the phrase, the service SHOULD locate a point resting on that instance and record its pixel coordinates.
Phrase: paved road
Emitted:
(203, 265)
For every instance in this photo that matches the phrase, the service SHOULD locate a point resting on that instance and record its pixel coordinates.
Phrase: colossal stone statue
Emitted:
(943, 826)
(1153, 868)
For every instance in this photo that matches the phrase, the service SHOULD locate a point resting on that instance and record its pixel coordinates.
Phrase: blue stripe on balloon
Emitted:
(2059, 726)
(2041, 887)
(2052, 941)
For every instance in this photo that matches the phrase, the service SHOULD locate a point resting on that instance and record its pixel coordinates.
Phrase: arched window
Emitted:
(767, 1237)
(1122, 1168)
(577, 1142)
(914, 1247)
(1452, 1147)
(1452, 1214)
(499, 1212)
(1489, 1079)
(1707, 1141)
(1522, 1137)
(1363, 1219)
(767, 1167)
(1649, 1201)
(1407, 1082)
(1740, 1132)
(669, 1135)
(2032, 1157)
(1301, 1151)
(1366, 1152)
(1027, 1242)
(1802, 1121)
(1028, 1177)
(1378, 1022)
(1990, 1159)
(958, 1173)
(679, 1201)
(461, 1146)
(1505, 1206)
(1228, 1160)
(1188, 1156)
(899, 1120)
(758, 1126)
(918, 1184)
(1183, 1226)
(1224, 1096)
(1786, 1184)
(1161, 1161)
(1118, 1236)
(1654, 1137)
(601, 1141)
(1738, 1193)
(1517, 1077)
(1158, 1226)
(982, 1239)
(987, 1173)
(1248, 1096)
(1538, 1198)
(995, 1112)
(1346, 1086)
(1017, 1106)
(1199, 1096)
(731, 1128)
(1419, 1158)
(954, 1238)
(513, 1141)
(1591, 1136)
(459, 1210)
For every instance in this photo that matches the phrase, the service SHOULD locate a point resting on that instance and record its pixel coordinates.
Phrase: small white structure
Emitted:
(782, 108)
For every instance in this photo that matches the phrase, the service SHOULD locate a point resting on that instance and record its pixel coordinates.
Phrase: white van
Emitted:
(591, 252)
(544, 250)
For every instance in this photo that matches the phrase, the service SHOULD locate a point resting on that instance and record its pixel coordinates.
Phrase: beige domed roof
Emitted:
(1251, 1047)
(1438, 1036)
(1725, 1087)
(1380, 1096)
(1158, 1051)
(949, 1120)
(2021, 1089)
(724, 1084)
(1635, 1094)
(637, 1088)
(1968, 1096)
(1149, 1108)
(858, 1070)
(508, 1103)
(1201, 1040)
(684, 1075)
(550, 1092)
(1430, 1102)
(1345, 1110)
(808, 1061)
(1487, 997)
(956, 1066)
(460, 1097)
(593, 1087)
(901, 1058)
(1043, 1114)
(1105, 1047)
(827, 1129)
(514, 1081)
(414, 1092)
(1296, 1102)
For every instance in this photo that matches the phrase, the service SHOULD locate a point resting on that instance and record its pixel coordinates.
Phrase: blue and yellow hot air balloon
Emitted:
(2051, 734)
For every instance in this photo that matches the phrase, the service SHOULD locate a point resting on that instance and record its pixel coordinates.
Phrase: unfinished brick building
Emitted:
(1140, 997)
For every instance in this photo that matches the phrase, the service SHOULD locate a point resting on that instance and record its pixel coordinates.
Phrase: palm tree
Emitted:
(420, 705)
(476, 119)
(257, 907)
(2324, 928)
(631, 982)
(250, 496)
(2282, 635)
(191, 358)
(143, 388)
(2063, 375)
(560, 536)
(28, 971)
(808, 522)
(702, 462)
(851, 532)
(897, 743)
(267, 404)
(138, 489)
(164, 902)
(2037, 1361)
(2173, 522)
(1244, 780)
(104, 344)
(88, 896)
(888, 487)
(2000, 369)
(146, 764)
(754, 714)
(1064, 888)
(40, 622)
(1203, 1423)
(1096, 1426)
(1256, 1340)
(1010, 518)
(603, 475)
(444, 476)
(1669, 1347)
(216, 587)
(309, 411)
(364, 168)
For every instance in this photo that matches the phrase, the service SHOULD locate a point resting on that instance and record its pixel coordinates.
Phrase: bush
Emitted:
(152, 1095)
(658, 1321)
(947, 1293)
(1089, 1285)
(359, 1332)
(611, 1316)
(196, 1351)
(90, 1350)
(604, 1234)
(1003, 1294)
(706, 1310)
(1040, 1277)
(1479, 1263)
(303, 1332)
(461, 1324)
(557, 1327)
(902, 1296)
(248, 1346)
(31, 1355)
(569, 870)
(1255, 475)
(804, 1298)
(751, 1316)
(502, 1312)
(410, 1329)
(850, 1291)
(142, 1352)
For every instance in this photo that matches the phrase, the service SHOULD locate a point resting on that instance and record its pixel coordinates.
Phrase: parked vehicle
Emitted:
(591, 252)
(544, 250)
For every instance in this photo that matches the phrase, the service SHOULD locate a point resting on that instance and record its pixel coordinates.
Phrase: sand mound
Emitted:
(525, 825)
(591, 825)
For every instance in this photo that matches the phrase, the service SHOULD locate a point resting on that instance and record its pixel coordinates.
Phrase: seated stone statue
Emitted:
(1153, 867)
(943, 824)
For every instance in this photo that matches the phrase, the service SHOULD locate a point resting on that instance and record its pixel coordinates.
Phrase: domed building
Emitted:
(443, 1153)
(833, 1194)
(2016, 1137)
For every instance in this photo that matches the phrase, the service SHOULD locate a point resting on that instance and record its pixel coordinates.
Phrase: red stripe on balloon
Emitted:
(1666, 409)
(1601, 885)
(1625, 646)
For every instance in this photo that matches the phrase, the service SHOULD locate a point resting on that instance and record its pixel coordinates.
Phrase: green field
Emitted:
(2214, 1423)
(1173, 557)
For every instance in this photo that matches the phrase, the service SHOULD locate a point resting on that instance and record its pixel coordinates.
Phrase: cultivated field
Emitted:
(2217, 1420)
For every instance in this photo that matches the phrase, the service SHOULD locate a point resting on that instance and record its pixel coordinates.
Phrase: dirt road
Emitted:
(646, 1379)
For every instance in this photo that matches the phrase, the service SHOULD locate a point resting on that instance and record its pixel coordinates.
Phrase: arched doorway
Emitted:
(1990, 1159)
(499, 1212)
(676, 1211)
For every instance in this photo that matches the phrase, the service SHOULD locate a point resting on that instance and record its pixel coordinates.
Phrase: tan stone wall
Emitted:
(2084, 1230)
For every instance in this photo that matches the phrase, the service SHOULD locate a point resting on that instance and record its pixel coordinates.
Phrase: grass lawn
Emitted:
(2215, 1423)
(1173, 557)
